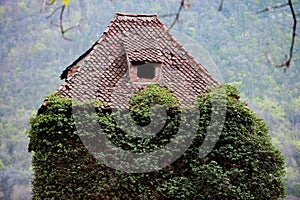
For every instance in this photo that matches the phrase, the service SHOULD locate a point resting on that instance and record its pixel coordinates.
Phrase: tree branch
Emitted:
(183, 4)
(267, 9)
(221, 5)
(54, 11)
(287, 62)
(61, 24)
(168, 15)
(177, 14)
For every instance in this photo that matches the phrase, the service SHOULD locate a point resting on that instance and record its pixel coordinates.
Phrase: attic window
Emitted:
(144, 72)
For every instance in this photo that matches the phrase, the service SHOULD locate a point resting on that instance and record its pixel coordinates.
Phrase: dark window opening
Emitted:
(146, 70)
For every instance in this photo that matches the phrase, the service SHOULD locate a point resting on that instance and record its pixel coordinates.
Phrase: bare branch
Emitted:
(288, 61)
(61, 24)
(288, 58)
(267, 9)
(168, 15)
(43, 6)
(46, 3)
(183, 4)
(272, 8)
(77, 25)
(177, 14)
(54, 11)
(221, 5)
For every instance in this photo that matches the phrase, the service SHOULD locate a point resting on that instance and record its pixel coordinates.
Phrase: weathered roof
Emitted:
(102, 71)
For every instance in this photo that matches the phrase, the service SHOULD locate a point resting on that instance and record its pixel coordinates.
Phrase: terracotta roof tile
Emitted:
(103, 72)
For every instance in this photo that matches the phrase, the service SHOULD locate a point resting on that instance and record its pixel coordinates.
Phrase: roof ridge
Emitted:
(135, 15)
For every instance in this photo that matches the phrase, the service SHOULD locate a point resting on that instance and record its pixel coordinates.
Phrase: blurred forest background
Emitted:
(231, 44)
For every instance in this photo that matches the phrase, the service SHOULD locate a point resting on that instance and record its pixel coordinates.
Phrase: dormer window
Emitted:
(144, 72)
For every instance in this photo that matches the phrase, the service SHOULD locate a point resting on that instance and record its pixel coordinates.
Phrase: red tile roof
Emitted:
(102, 72)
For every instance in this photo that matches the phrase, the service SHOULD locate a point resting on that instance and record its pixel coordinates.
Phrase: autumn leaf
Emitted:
(65, 2)
(49, 2)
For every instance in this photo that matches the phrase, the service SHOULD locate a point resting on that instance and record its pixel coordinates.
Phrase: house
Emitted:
(134, 51)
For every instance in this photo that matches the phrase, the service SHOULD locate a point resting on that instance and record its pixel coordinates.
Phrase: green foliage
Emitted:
(142, 102)
(242, 165)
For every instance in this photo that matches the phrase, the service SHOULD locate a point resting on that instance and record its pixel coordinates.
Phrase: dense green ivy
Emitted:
(242, 165)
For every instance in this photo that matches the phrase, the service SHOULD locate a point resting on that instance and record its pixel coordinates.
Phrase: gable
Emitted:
(107, 71)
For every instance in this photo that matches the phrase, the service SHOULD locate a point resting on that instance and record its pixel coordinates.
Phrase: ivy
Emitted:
(242, 165)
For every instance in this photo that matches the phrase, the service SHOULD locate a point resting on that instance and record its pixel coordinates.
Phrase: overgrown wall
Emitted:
(242, 165)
